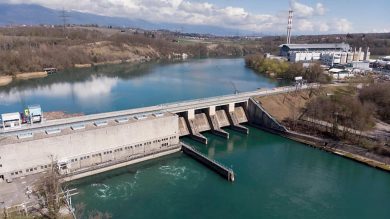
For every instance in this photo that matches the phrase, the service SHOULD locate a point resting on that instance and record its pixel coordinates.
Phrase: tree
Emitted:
(47, 192)
(379, 95)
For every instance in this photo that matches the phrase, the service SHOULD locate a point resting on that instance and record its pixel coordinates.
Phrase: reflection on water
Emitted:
(93, 88)
(117, 87)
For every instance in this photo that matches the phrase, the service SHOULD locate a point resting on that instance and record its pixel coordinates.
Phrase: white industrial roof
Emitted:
(317, 46)
(10, 116)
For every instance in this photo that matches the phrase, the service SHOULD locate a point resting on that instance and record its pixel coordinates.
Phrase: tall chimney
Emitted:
(368, 53)
(289, 26)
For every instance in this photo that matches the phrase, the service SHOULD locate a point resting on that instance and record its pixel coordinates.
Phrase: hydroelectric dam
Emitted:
(91, 144)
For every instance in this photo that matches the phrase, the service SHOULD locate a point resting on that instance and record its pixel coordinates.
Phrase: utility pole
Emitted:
(64, 16)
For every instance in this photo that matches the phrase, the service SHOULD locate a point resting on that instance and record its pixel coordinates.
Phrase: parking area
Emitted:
(18, 191)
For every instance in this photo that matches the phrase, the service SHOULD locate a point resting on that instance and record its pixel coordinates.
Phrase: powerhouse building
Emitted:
(86, 146)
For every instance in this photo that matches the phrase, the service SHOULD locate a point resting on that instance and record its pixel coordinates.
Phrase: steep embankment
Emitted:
(290, 109)
(289, 105)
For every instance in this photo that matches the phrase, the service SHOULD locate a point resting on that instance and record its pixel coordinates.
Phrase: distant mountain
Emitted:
(31, 14)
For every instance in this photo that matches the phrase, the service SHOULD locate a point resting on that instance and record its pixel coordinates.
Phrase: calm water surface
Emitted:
(275, 177)
(118, 87)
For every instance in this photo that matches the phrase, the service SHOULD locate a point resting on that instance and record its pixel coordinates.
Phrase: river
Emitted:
(118, 87)
(275, 177)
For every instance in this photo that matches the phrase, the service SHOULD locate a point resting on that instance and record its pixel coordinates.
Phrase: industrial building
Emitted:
(329, 54)
(310, 52)
(88, 145)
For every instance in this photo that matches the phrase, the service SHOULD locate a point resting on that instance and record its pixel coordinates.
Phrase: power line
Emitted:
(64, 16)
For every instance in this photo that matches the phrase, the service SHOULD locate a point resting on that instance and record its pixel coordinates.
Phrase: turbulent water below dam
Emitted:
(274, 177)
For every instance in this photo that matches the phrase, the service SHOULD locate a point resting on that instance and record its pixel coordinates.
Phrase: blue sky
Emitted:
(257, 16)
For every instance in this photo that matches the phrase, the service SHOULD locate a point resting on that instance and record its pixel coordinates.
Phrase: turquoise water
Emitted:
(275, 178)
(118, 87)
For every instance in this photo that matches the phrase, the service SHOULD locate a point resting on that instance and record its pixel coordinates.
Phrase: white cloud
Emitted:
(320, 9)
(305, 25)
(342, 25)
(307, 18)
(301, 10)
(323, 27)
(379, 30)
(304, 11)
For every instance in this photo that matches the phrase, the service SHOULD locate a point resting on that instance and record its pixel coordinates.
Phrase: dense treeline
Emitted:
(350, 113)
(379, 95)
(341, 110)
(285, 70)
(356, 111)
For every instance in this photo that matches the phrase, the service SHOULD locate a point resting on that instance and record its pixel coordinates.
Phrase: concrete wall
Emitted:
(240, 114)
(222, 118)
(83, 148)
(201, 122)
(183, 127)
(258, 116)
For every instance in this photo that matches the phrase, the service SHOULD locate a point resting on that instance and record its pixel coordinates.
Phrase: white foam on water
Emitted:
(103, 191)
(178, 172)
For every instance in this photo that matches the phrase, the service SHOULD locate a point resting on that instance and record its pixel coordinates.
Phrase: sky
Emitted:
(257, 16)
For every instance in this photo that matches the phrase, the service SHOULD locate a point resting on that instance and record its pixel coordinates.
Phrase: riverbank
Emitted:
(30, 75)
(6, 80)
(288, 108)
(322, 144)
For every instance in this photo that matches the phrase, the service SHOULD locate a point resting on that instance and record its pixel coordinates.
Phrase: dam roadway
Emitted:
(175, 107)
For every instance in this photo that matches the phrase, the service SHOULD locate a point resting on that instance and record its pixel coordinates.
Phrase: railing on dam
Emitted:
(174, 107)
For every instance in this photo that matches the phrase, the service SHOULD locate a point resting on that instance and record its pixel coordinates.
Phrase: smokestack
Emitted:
(367, 56)
(289, 26)
(361, 54)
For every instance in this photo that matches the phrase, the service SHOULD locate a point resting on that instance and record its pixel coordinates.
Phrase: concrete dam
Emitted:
(86, 145)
